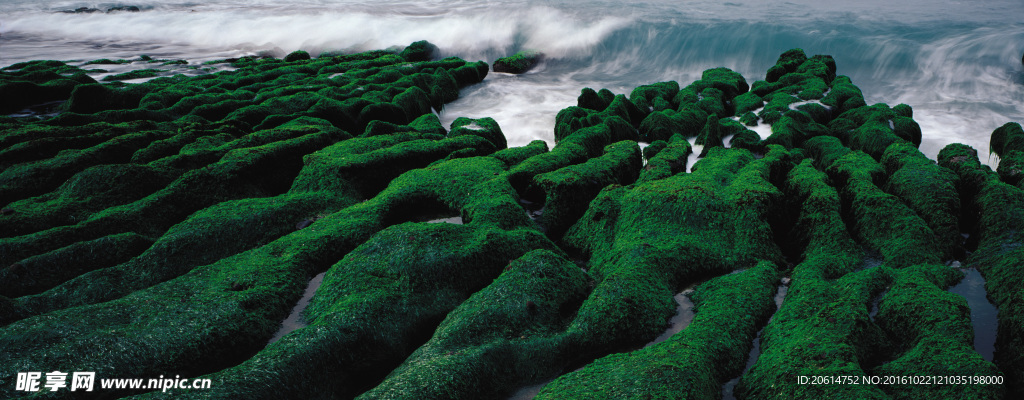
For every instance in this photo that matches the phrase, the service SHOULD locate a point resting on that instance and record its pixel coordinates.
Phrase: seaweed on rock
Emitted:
(168, 227)
(999, 222)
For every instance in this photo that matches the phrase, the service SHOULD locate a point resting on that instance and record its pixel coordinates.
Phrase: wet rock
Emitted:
(81, 10)
(200, 190)
(124, 9)
(518, 63)
(297, 55)
(420, 51)
(1007, 138)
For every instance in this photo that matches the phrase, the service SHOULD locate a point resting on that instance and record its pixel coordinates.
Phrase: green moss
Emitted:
(518, 63)
(1007, 138)
(929, 190)
(211, 234)
(419, 51)
(882, 220)
(662, 125)
(567, 191)
(713, 101)
(596, 101)
(668, 161)
(998, 254)
(747, 102)
(825, 150)
(92, 190)
(792, 129)
(788, 62)
(693, 363)
(34, 178)
(653, 149)
(1011, 167)
(647, 240)
(38, 273)
(644, 96)
(486, 128)
(503, 336)
(933, 328)
(823, 326)
(844, 96)
(729, 82)
(35, 82)
(514, 155)
(169, 226)
(298, 55)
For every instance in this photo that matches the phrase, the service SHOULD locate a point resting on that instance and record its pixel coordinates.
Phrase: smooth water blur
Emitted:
(957, 63)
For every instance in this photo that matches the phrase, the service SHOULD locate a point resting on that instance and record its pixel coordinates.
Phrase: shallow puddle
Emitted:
(294, 320)
(984, 315)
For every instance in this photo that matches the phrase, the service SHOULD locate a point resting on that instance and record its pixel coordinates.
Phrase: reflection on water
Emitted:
(984, 315)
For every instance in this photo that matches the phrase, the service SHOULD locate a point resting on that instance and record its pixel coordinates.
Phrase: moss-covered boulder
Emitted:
(518, 63)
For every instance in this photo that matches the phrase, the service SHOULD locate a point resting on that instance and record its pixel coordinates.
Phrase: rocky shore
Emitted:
(169, 226)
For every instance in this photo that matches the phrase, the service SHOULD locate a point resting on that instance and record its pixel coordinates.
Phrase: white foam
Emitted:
(256, 25)
(796, 106)
(524, 106)
(694, 155)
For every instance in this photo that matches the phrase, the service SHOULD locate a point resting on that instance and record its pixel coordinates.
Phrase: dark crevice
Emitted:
(423, 208)
(533, 204)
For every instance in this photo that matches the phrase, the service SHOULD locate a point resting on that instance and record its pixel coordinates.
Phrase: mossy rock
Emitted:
(518, 63)
(170, 226)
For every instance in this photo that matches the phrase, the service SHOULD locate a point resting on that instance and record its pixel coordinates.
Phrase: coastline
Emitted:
(172, 224)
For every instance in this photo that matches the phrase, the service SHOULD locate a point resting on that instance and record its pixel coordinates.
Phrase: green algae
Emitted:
(929, 190)
(668, 232)
(666, 162)
(505, 334)
(932, 328)
(997, 256)
(692, 364)
(822, 327)
(567, 191)
(518, 63)
(169, 226)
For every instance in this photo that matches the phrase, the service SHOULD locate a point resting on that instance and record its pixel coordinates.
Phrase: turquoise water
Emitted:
(957, 63)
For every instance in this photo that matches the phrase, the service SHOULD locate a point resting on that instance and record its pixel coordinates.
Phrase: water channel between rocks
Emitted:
(984, 315)
(678, 323)
(294, 320)
(755, 349)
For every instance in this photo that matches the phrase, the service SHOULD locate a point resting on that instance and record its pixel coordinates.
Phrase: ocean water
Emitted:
(956, 62)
